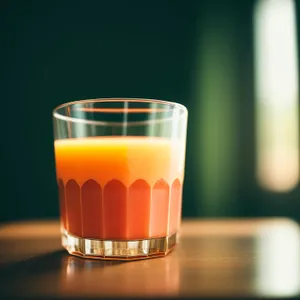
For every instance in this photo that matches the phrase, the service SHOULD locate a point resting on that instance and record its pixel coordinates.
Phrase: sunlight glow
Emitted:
(277, 265)
(276, 76)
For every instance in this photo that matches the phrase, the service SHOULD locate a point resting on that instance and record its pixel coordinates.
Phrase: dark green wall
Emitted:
(59, 51)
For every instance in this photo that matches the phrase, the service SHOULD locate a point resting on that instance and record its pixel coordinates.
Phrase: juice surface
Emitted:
(120, 187)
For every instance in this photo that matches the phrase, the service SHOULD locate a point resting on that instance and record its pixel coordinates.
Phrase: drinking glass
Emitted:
(120, 171)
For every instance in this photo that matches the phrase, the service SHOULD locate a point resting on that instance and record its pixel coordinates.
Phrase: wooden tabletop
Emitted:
(215, 258)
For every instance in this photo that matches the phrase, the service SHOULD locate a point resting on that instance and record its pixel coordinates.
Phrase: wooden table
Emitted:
(215, 258)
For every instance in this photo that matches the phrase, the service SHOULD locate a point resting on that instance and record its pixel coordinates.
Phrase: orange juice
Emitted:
(120, 188)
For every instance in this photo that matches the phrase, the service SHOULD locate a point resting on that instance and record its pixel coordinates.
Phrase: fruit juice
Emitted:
(120, 188)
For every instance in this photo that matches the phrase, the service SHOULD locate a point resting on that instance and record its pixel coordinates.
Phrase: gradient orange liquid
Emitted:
(123, 188)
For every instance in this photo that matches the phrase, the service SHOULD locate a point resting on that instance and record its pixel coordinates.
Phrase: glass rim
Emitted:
(175, 105)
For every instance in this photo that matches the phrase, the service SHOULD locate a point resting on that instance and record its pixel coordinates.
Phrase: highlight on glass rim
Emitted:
(120, 172)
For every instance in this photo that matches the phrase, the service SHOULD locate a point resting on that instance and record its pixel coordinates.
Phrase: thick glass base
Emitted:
(118, 250)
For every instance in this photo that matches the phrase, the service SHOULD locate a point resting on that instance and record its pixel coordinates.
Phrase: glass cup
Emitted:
(120, 170)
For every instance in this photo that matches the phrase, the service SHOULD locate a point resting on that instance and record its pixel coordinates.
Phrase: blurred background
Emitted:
(234, 64)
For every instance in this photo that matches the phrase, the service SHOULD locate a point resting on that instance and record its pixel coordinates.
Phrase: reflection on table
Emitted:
(216, 258)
